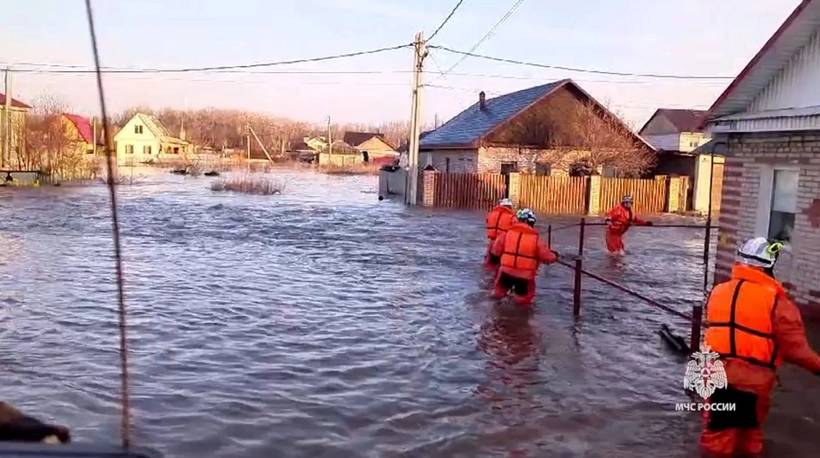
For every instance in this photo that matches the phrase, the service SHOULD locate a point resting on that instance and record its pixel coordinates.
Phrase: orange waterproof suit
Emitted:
(620, 220)
(754, 326)
(499, 221)
(522, 250)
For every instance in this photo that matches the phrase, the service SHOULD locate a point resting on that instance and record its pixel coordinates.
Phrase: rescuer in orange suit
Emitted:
(499, 221)
(522, 250)
(754, 326)
(619, 220)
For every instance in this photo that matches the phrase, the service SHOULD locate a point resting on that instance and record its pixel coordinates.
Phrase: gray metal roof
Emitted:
(469, 126)
(793, 34)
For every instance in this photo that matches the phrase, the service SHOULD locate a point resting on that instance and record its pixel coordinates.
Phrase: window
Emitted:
(146, 149)
(447, 165)
(783, 204)
(176, 150)
(137, 129)
(543, 169)
(509, 167)
(129, 149)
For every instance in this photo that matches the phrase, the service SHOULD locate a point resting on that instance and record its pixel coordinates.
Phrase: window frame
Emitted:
(765, 196)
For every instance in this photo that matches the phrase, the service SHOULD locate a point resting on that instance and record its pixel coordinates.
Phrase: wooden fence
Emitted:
(650, 196)
(554, 194)
(549, 194)
(480, 191)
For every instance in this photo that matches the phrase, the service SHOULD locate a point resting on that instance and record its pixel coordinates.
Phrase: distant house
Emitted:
(682, 147)
(145, 139)
(525, 131)
(298, 150)
(371, 145)
(80, 132)
(17, 112)
(768, 123)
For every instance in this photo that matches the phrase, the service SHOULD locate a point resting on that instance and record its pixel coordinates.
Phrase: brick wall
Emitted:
(490, 159)
(749, 160)
(461, 161)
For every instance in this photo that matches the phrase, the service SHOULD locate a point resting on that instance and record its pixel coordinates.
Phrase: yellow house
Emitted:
(17, 142)
(371, 145)
(144, 139)
(80, 132)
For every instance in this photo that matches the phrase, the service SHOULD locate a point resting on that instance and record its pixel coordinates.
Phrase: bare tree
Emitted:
(582, 137)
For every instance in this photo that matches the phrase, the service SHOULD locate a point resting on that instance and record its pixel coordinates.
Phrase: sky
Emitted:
(691, 37)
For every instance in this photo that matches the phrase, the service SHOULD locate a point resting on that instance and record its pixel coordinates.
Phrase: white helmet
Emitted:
(759, 252)
(505, 203)
(525, 215)
(627, 199)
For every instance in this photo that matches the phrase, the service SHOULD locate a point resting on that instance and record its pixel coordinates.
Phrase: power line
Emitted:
(115, 70)
(582, 70)
(441, 26)
(225, 67)
(488, 34)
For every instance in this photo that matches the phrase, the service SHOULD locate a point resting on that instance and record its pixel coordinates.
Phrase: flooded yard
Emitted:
(322, 322)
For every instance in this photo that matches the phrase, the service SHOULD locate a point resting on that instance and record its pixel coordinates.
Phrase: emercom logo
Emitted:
(705, 374)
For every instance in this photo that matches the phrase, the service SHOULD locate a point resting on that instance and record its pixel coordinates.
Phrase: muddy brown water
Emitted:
(323, 322)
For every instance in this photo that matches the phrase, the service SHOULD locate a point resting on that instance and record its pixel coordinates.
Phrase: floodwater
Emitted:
(323, 322)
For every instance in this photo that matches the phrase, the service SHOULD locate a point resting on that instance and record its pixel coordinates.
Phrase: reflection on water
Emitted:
(325, 323)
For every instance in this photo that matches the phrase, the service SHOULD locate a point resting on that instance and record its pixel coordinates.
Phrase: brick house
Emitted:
(768, 123)
(523, 131)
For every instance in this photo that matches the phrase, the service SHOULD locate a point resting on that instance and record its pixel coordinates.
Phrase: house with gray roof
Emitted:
(524, 131)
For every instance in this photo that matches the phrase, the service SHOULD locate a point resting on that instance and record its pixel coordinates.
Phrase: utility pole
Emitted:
(248, 141)
(7, 133)
(329, 139)
(419, 53)
(94, 134)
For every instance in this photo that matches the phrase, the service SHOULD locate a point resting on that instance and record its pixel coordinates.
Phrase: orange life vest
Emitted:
(521, 248)
(739, 322)
(499, 221)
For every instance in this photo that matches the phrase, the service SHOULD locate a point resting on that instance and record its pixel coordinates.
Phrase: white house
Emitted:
(144, 139)
(768, 123)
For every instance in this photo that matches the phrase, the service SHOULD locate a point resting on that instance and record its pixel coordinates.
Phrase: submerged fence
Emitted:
(480, 191)
(554, 195)
(551, 194)
(651, 196)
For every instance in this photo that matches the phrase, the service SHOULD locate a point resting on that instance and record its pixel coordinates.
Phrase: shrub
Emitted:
(249, 185)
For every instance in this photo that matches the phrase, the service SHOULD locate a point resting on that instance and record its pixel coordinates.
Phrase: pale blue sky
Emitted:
(715, 37)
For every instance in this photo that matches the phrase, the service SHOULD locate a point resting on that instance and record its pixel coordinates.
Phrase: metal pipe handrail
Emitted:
(680, 226)
(629, 291)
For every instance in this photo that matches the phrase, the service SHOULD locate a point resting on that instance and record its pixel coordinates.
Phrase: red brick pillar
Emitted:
(430, 182)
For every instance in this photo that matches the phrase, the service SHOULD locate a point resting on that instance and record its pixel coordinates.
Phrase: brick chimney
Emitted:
(482, 103)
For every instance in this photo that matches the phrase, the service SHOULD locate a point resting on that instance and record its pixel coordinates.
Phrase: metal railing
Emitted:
(695, 317)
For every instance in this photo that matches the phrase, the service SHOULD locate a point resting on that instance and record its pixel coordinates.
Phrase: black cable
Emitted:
(223, 67)
(581, 70)
(488, 34)
(125, 426)
(441, 26)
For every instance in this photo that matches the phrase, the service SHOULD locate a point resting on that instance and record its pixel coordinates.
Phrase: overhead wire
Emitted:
(125, 424)
(216, 68)
(444, 22)
(581, 70)
(489, 33)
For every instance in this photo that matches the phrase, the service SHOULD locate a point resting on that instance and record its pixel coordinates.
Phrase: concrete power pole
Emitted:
(419, 53)
(7, 133)
(248, 140)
